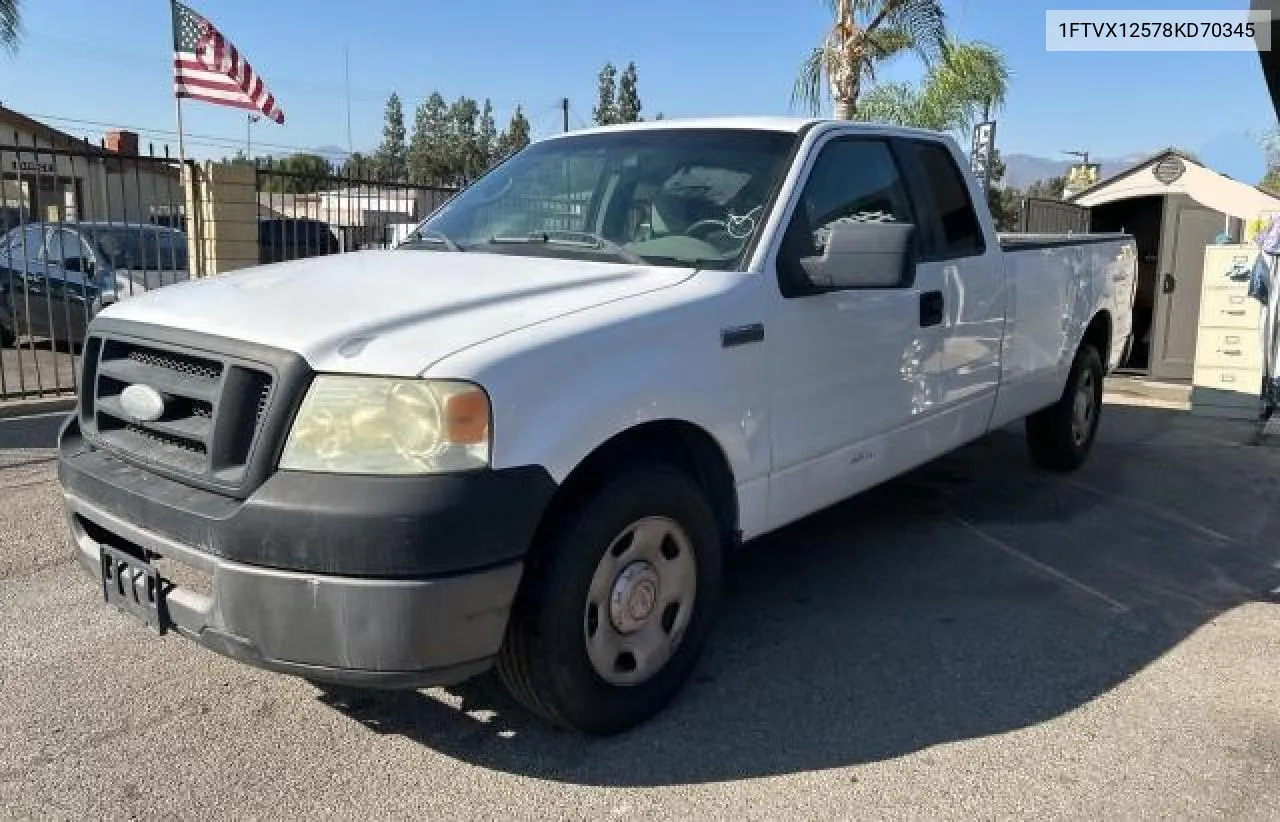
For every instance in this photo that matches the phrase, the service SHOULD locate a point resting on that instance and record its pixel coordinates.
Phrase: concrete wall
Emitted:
(223, 202)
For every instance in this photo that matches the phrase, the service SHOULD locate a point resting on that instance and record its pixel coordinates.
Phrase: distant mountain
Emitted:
(1021, 170)
(334, 154)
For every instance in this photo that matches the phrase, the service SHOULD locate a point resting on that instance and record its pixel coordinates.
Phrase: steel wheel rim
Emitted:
(640, 601)
(1082, 409)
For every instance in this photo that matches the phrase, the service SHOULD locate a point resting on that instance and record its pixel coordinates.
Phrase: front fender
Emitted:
(605, 396)
(561, 390)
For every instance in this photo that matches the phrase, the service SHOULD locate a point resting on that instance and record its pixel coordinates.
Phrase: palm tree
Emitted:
(969, 83)
(10, 21)
(866, 32)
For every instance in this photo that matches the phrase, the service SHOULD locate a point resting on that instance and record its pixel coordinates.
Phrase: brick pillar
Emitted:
(222, 207)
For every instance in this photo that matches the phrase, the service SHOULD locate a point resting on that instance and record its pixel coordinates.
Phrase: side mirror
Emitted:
(863, 255)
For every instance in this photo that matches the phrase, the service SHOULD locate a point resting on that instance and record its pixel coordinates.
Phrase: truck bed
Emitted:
(1026, 242)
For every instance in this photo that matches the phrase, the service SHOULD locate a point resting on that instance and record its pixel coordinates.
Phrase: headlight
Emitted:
(376, 425)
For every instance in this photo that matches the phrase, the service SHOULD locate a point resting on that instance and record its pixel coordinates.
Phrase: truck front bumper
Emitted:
(366, 626)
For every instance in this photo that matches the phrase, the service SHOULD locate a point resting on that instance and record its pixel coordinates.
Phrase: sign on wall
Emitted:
(33, 167)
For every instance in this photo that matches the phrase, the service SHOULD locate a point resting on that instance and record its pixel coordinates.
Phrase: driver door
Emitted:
(854, 373)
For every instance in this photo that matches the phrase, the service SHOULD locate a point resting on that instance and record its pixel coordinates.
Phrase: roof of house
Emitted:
(1173, 151)
(17, 121)
(1197, 180)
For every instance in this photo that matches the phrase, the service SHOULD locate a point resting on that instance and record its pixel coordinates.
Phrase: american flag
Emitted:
(206, 66)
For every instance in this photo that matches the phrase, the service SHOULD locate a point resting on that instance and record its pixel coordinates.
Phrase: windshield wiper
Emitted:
(592, 240)
(431, 234)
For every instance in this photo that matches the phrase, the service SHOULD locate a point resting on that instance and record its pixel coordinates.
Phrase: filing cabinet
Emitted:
(1227, 379)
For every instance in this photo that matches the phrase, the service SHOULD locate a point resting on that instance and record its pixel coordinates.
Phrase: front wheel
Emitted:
(1060, 436)
(616, 604)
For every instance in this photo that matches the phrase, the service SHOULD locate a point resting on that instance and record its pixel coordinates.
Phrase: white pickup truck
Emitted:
(528, 437)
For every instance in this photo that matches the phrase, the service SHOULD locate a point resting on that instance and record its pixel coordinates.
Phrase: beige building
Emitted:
(47, 174)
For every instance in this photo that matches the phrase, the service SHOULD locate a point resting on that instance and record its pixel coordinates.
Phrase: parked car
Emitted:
(518, 442)
(54, 277)
(281, 239)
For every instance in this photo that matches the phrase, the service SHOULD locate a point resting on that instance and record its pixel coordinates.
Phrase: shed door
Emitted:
(1188, 228)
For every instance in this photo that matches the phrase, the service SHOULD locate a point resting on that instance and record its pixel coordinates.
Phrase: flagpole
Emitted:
(187, 181)
(190, 200)
(182, 140)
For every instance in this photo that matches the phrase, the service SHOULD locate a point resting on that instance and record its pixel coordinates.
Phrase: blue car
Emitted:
(55, 277)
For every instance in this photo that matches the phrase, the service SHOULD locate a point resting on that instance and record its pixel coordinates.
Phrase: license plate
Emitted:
(134, 586)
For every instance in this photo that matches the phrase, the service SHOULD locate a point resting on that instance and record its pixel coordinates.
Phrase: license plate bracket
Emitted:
(134, 586)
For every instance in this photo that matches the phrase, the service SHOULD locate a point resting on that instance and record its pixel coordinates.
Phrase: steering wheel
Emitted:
(703, 225)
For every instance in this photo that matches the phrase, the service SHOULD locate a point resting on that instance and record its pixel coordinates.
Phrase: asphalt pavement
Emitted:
(975, 640)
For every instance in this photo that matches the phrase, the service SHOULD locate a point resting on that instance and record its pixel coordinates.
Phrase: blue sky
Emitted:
(108, 62)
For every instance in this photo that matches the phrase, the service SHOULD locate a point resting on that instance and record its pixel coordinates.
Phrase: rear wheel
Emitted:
(8, 339)
(1060, 436)
(616, 604)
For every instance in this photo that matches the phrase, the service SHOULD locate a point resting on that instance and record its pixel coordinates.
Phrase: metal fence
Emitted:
(81, 226)
(302, 214)
(1044, 216)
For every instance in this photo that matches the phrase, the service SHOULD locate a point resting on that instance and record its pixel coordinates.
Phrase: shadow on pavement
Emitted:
(972, 597)
(36, 431)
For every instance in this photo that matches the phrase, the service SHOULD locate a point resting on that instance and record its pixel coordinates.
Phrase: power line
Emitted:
(294, 86)
(201, 139)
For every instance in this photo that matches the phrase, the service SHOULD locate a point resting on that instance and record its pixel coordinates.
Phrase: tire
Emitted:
(586, 586)
(1061, 436)
(8, 339)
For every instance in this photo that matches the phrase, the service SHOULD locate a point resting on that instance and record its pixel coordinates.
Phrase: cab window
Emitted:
(853, 179)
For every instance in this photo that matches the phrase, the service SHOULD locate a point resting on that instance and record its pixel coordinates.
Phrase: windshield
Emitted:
(142, 248)
(664, 197)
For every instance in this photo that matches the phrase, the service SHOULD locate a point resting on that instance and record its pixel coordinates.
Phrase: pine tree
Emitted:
(356, 166)
(392, 158)
(487, 136)
(606, 109)
(516, 137)
(428, 162)
(628, 107)
(463, 161)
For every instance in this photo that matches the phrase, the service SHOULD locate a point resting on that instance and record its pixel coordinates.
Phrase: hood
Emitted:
(389, 312)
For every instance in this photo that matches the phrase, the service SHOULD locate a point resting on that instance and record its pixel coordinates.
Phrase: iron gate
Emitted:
(308, 213)
(81, 226)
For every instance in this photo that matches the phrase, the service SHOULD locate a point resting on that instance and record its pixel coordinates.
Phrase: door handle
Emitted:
(931, 308)
(1169, 283)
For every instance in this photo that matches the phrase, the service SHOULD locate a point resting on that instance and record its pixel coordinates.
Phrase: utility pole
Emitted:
(250, 119)
(346, 72)
(564, 110)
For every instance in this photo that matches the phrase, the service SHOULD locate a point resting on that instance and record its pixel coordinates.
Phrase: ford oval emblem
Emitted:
(142, 403)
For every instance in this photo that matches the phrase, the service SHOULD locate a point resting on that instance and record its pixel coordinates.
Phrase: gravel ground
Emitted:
(974, 640)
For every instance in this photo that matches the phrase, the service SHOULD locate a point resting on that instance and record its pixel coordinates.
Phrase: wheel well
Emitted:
(681, 444)
(1098, 334)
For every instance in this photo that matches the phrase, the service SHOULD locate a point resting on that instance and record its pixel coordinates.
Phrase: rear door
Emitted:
(955, 254)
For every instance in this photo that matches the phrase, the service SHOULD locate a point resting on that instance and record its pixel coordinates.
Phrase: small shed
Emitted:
(1174, 206)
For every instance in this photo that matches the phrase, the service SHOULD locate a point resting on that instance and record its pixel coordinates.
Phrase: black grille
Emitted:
(197, 367)
(213, 411)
